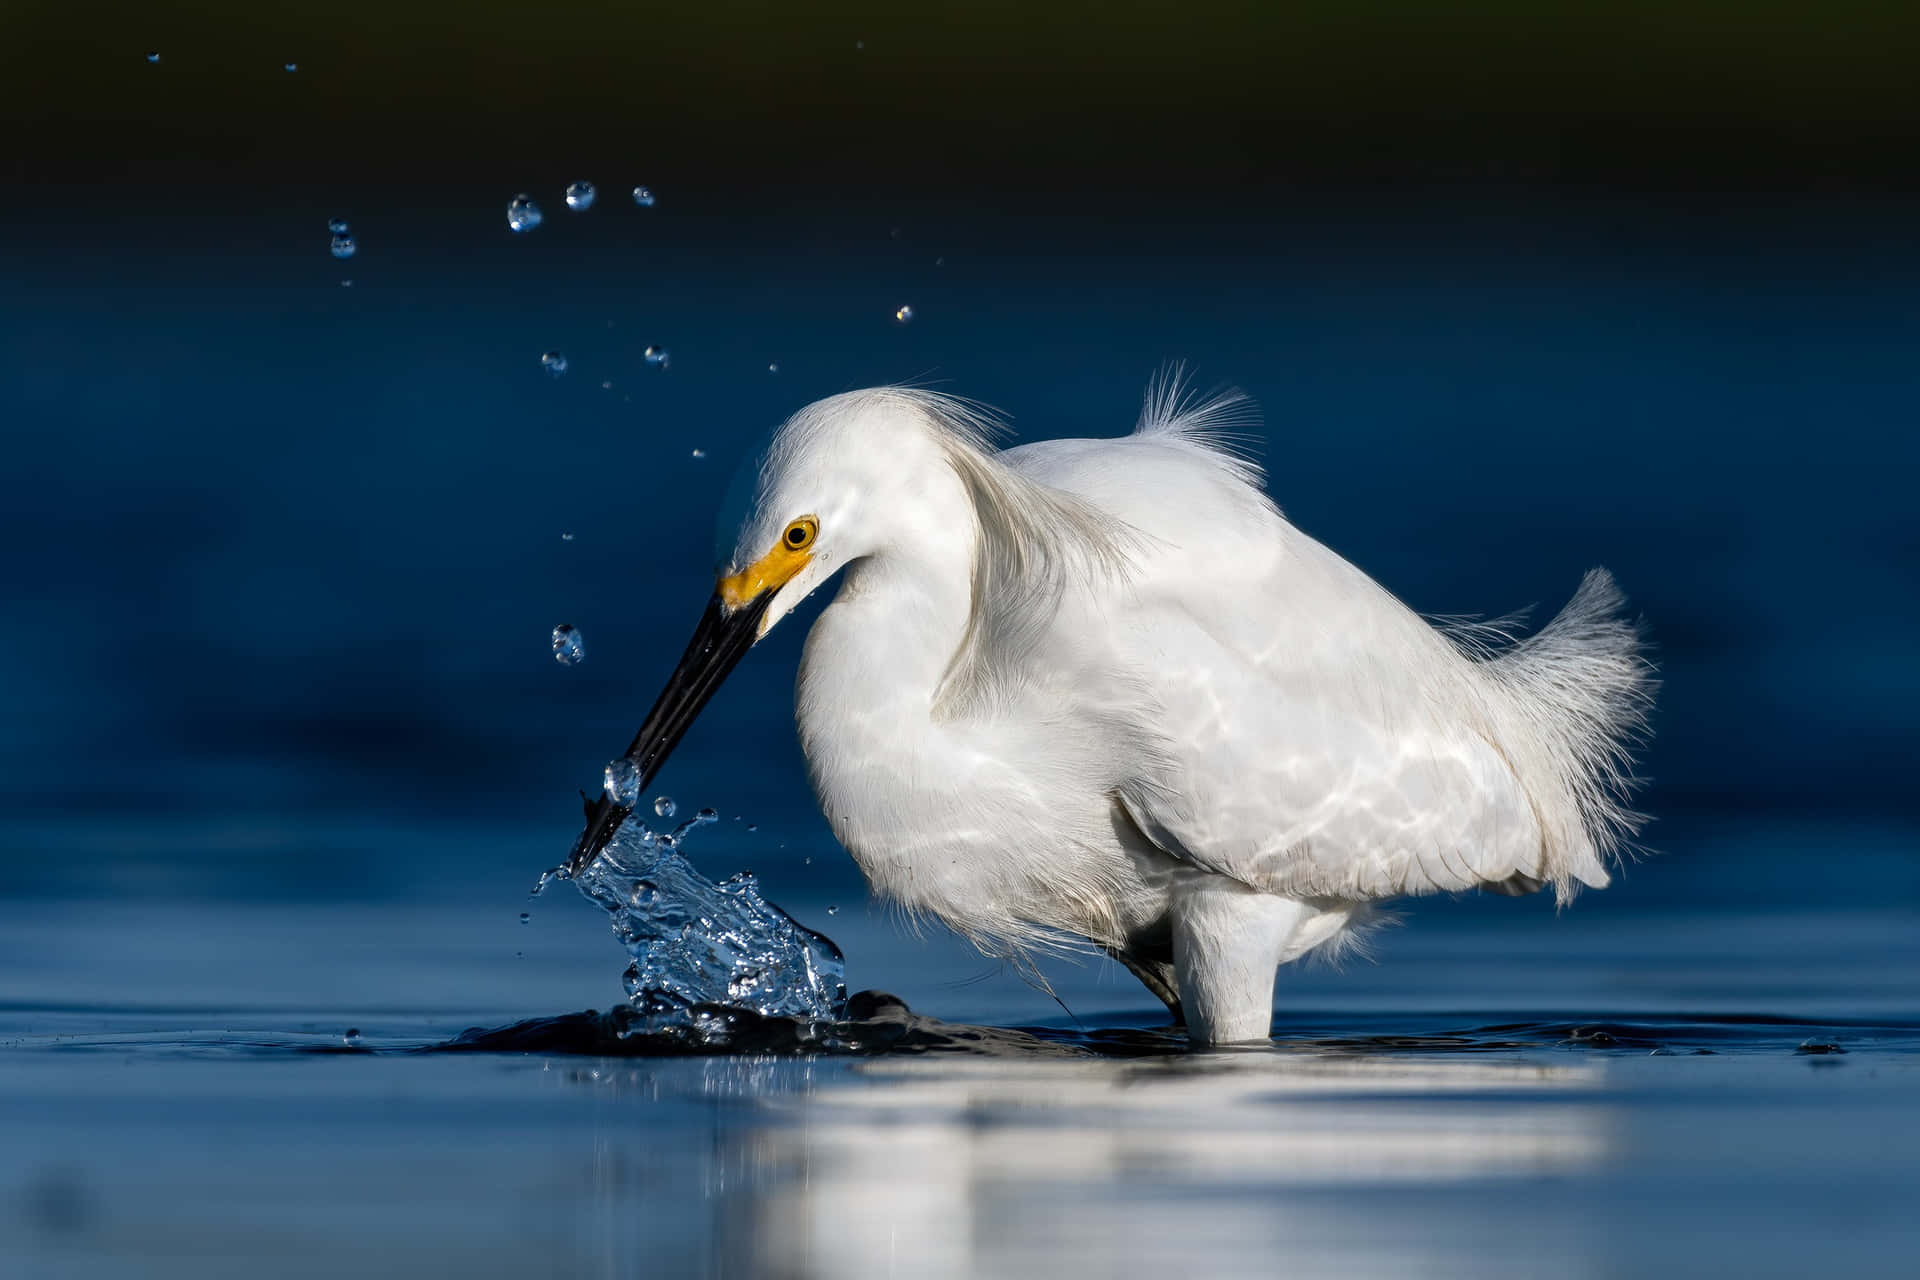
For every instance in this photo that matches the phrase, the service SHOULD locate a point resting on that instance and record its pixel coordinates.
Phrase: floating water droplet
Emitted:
(623, 781)
(707, 815)
(663, 806)
(753, 826)
(346, 284)
(904, 315)
(291, 67)
(699, 453)
(607, 385)
(554, 363)
(154, 56)
(658, 357)
(344, 247)
(523, 214)
(833, 911)
(939, 262)
(643, 196)
(805, 862)
(773, 368)
(525, 916)
(580, 196)
(338, 226)
(566, 537)
(569, 646)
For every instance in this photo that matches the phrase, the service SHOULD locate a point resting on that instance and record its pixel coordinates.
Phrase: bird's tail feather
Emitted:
(1573, 702)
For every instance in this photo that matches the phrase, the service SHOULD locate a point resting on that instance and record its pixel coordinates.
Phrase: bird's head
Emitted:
(841, 478)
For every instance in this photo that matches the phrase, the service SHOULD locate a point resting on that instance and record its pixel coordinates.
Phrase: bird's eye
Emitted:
(799, 534)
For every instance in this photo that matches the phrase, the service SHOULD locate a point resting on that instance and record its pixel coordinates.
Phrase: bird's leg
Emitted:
(1155, 975)
(1227, 943)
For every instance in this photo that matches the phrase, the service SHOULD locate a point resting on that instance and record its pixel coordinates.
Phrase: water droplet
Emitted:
(833, 911)
(939, 262)
(904, 315)
(525, 916)
(566, 537)
(523, 214)
(344, 247)
(154, 56)
(569, 646)
(580, 196)
(623, 781)
(346, 284)
(607, 385)
(753, 826)
(643, 196)
(707, 815)
(645, 893)
(338, 226)
(352, 1038)
(291, 67)
(554, 363)
(663, 806)
(699, 453)
(773, 368)
(805, 862)
(658, 357)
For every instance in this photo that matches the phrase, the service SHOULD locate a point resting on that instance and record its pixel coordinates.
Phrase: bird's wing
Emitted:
(1311, 735)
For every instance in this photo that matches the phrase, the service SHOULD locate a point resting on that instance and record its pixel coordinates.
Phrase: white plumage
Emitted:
(1103, 690)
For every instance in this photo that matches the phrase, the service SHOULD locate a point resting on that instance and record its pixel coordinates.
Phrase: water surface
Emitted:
(1631, 1086)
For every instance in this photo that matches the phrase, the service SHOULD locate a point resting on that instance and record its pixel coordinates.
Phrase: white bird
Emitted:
(1103, 690)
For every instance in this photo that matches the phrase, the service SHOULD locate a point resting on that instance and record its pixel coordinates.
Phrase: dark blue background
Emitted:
(280, 558)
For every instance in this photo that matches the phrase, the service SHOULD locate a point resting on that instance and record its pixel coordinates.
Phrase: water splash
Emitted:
(702, 951)
(523, 214)
(623, 781)
(569, 646)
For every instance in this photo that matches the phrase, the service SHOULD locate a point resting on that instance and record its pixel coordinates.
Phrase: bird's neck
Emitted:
(890, 635)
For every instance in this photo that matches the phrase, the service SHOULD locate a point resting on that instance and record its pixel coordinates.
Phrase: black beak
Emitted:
(718, 644)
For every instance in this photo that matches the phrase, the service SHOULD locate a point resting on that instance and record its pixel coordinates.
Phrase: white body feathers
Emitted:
(1102, 689)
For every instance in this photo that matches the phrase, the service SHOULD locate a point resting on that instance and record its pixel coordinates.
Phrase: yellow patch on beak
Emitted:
(769, 573)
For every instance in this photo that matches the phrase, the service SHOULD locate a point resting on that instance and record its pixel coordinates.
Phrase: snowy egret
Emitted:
(1103, 690)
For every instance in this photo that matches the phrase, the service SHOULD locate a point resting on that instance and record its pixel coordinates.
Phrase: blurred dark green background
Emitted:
(1160, 102)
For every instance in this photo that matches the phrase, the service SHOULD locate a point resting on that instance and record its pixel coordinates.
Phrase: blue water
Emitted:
(284, 745)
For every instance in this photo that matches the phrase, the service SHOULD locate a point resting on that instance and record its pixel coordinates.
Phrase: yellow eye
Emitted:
(799, 534)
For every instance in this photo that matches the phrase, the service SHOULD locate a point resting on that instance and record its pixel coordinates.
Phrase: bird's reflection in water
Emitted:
(991, 1167)
(1249, 1162)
